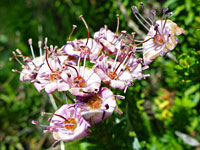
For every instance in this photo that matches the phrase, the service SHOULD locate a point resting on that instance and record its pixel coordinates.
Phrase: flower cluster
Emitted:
(115, 65)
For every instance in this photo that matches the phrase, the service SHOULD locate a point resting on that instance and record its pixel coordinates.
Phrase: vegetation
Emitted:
(154, 109)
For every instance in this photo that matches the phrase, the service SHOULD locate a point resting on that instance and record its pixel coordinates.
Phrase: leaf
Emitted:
(187, 139)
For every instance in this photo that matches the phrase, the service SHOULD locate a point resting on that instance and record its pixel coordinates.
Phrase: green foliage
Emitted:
(154, 108)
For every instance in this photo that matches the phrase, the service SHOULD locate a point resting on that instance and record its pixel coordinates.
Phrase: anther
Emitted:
(31, 47)
(45, 41)
(18, 51)
(117, 24)
(153, 12)
(142, 5)
(135, 12)
(169, 14)
(165, 10)
(40, 47)
(134, 9)
(15, 70)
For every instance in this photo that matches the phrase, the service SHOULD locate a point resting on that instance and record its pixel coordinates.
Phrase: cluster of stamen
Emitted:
(94, 102)
(71, 123)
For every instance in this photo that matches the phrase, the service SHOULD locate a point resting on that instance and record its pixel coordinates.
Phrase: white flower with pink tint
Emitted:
(163, 40)
(97, 107)
(79, 48)
(161, 37)
(110, 41)
(66, 124)
(83, 81)
(49, 76)
(119, 74)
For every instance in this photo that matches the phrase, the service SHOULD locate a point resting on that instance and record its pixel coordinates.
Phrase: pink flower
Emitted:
(66, 124)
(79, 48)
(97, 107)
(163, 40)
(31, 69)
(110, 41)
(119, 74)
(49, 75)
(161, 36)
(82, 80)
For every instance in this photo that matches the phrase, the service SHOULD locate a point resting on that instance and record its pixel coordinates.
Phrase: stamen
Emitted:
(144, 19)
(45, 41)
(18, 51)
(45, 113)
(133, 38)
(117, 24)
(74, 27)
(142, 5)
(119, 96)
(164, 11)
(55, 49)
(40, 47)
(35, 122)
(153, 12)
(167, 16)
(16, 71)
(15, 57)
(31, 47)
(135, 11)
(46, 57)
(88, 36)
(124, 58)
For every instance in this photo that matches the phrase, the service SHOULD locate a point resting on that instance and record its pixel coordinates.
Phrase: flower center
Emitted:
(79, 82)
(158, 39)
(53, 76)
(112, 75)
(94, 102)
(71, 123)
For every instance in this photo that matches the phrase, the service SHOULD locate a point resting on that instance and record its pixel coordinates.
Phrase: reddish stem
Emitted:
(74, 27)
(46, 57)
(88, 36)
(74, 69)
(143, 42)
(55, 115)
(129, 53)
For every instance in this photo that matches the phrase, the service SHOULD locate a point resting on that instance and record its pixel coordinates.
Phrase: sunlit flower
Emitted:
(119, 74)
(161, 37)
(66, 124)
(97, 107)
(79, 48)
(49, 75)
(110, 41)
(82, 80)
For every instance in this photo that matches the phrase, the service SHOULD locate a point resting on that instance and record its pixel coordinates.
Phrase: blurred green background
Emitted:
(154, 108)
